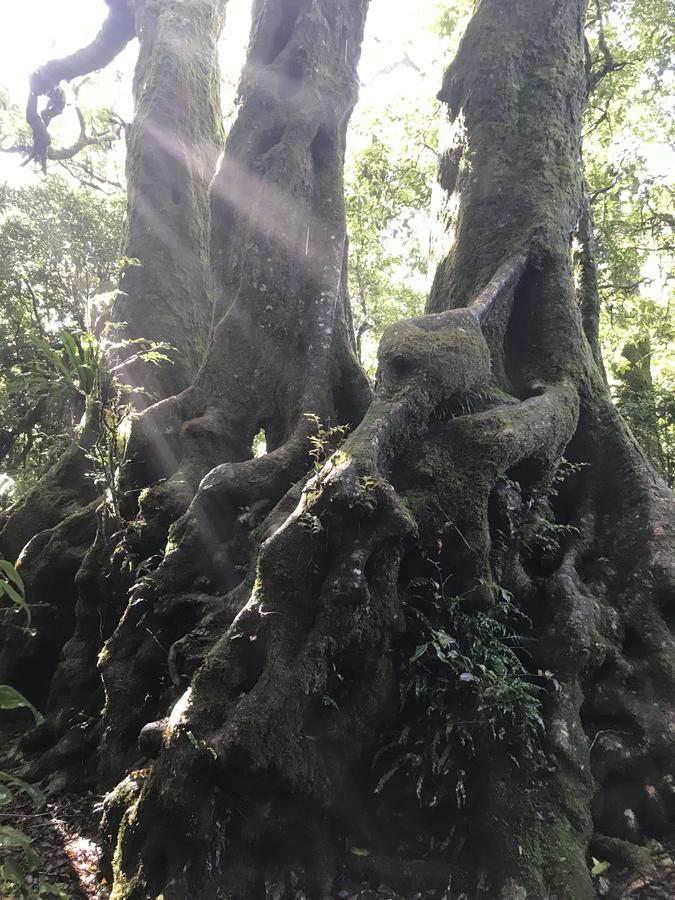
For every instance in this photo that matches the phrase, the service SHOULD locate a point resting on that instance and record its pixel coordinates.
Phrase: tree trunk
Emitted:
(172, 147)
(428, 661)
(165, 290)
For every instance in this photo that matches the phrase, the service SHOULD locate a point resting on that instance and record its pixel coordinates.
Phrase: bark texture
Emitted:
(291, 691)
(268, 693)
(165, 295)
(172, 147)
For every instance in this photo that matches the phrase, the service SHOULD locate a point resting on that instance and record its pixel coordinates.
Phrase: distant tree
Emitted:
(629, 128)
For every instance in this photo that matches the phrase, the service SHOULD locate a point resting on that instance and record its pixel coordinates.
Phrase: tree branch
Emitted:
(608, 64)
(593, 195)
(25, 425)
(116, 32)
(506, 277)
(62, 153)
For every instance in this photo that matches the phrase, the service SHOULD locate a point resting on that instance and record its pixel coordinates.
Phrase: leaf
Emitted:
(56, 889)
(5, 795)
(16, 598)
(12, 699)
(420, 651)
(12, 837)
(467, 676)
(33, 792)
(359, 851)
(599, 867)
(13, 575)
(11, 872)
(406, 758)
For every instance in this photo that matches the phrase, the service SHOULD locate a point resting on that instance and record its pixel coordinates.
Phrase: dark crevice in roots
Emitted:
(270, 139)
(291, 82)
(321, 149)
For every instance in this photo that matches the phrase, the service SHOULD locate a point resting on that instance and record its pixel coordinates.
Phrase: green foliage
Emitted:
(534, 527)
(12, 699)
(325, 439)
(388, 188)
(18, 860)
(111, 399)
(57, 274)
(463, 686)
(78, 360)
(651, 415)
(452, 20)
(629, 163)
(15, 869)
(12, 587)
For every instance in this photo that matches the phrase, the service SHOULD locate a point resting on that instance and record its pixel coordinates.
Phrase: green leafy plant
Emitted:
(86, 366)
(325, 439)
(12, 587)
(535, 528)
(21, 860)
(78, 359)
(10, 698)
(462, 684)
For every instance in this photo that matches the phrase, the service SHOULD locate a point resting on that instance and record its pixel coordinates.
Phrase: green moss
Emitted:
(535, 848)
(516, 87)
(169, 181)
(623, 854)
(563, 862)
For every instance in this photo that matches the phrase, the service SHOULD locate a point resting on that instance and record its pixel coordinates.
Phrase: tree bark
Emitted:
(271, 658)
(172, 147)
(636, 396)
(165, 294)
(283, 356)
(320, 610)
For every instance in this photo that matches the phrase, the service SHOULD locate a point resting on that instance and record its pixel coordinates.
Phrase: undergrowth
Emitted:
(462, 684)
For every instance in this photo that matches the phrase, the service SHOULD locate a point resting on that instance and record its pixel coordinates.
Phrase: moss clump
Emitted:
(623, 854)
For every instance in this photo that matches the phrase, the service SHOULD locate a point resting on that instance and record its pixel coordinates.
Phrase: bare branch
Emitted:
(593, 195)
(503, 280)
(62, 153)
(84, 173)
(608, 63)
(116, 32)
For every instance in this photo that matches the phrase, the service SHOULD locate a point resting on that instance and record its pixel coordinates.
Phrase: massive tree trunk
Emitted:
(428, 660)
(165, 292)
(172, 148)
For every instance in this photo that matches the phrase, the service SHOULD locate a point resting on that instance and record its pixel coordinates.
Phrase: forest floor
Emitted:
(64, 837)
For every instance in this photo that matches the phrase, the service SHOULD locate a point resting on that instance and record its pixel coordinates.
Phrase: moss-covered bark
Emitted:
(283, 348)
(165, 295)
(287, 709)
(321, 663)
(172, 147)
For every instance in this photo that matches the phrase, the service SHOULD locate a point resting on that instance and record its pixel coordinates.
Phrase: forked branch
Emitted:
(116, 32)
(83, 140)
(608, 64)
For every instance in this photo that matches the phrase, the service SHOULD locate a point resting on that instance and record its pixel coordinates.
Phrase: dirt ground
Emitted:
(64, 837)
